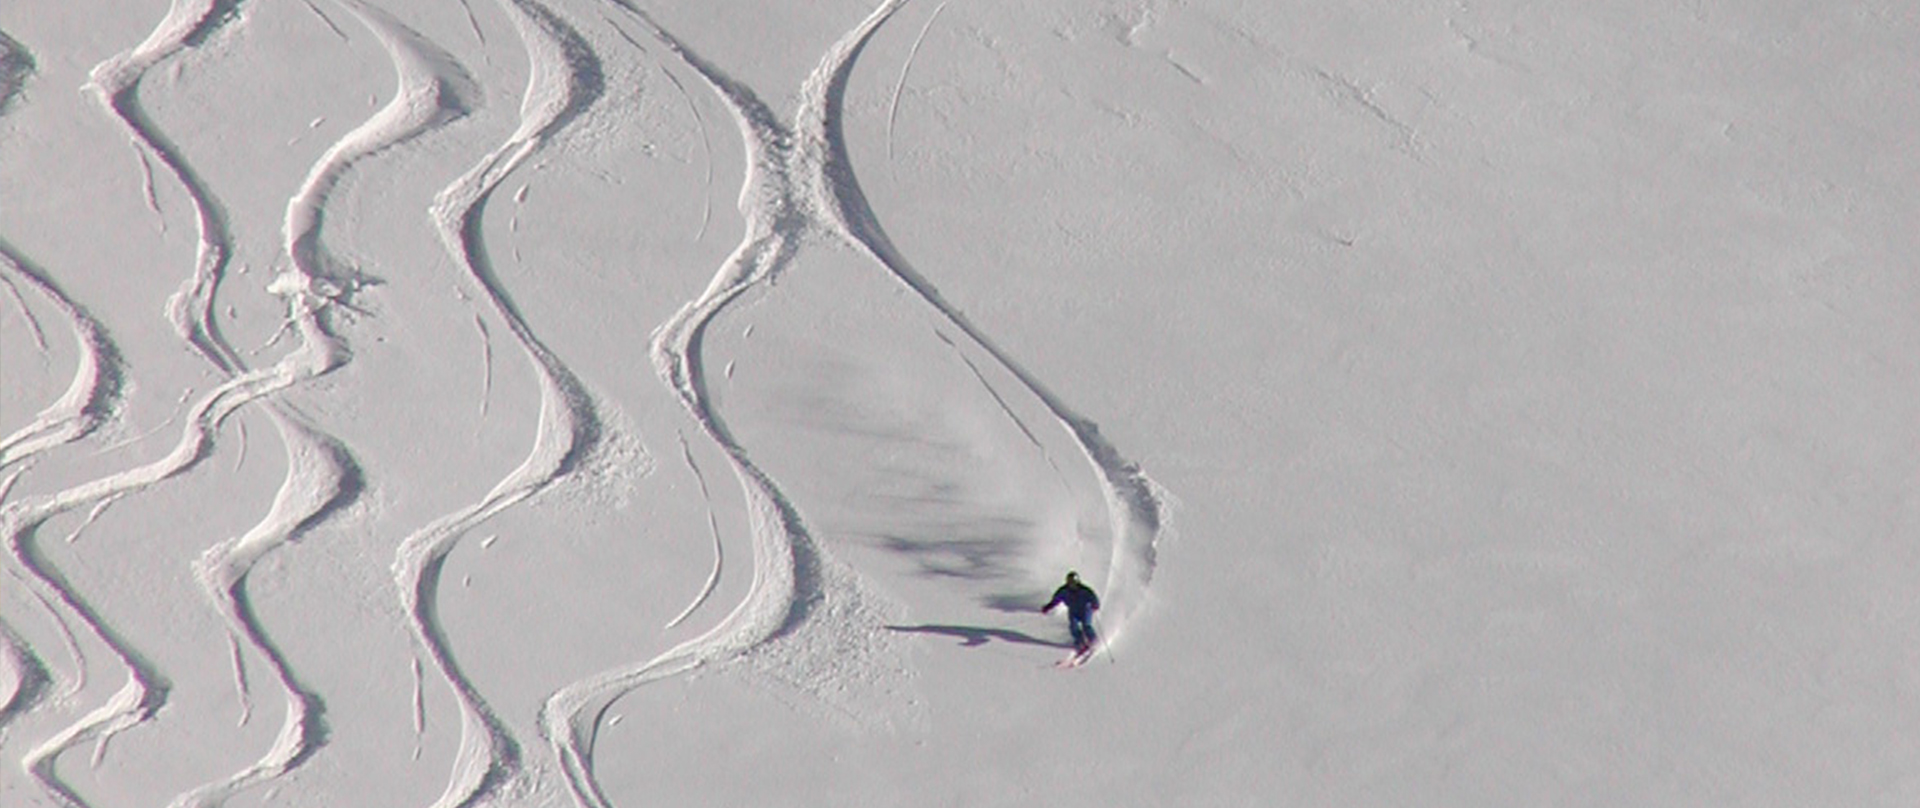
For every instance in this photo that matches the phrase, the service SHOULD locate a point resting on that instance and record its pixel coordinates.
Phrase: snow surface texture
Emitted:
(396, 413)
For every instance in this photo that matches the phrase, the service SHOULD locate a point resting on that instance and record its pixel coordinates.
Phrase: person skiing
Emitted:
(1081, 603)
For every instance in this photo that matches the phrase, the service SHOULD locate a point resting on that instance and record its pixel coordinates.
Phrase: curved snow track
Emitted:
(564, 79)
(800, 187)
(321, 474)
(800, 192)
(95, 390)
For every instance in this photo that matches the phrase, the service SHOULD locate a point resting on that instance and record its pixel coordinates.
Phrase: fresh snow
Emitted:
(616, 403)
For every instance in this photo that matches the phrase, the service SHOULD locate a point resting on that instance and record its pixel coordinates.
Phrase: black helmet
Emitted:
(1073, 577)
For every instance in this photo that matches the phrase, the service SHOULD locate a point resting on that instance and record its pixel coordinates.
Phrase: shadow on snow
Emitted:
(973, 636)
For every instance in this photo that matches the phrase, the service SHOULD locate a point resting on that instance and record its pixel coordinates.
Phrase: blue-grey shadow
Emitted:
(973, 636)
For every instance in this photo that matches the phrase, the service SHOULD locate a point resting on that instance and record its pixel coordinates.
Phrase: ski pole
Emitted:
(1104, 640)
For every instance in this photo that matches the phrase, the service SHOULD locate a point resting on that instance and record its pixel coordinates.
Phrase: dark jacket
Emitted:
(1077, 597)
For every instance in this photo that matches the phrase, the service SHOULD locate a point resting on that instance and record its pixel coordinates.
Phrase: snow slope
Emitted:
(612, 403)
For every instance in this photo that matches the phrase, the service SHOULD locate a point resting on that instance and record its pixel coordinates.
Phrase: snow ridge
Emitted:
(115, 83)
(790, 579)
(800, 187)
(564, 80)
(94, 393)
(91, 397)
(784, 575)
(23, 677)
(37, 589)
(321, 473)
(321, 477)
(145, 689)
(432, 90)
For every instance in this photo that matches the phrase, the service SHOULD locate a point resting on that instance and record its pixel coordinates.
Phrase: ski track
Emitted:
(326, 20)
(432, 91)
(1059, 476)
(23, 676)
(20, 522)
(893, 106)
(71, 644)
(699, 121)
(321, 477)
(486, 366)
(93, 515)
(240, 686)
(91, 397)
(571, 717)
(320, 474)
(145, 689)
(148, 193)
(789, 581)
(240, 445)
(115, 84)
(706, 142)
(713, 530)
(25, 673)
(26, 313)
(473, 22)
(1136, 505)
(564, 79)
(799, 186)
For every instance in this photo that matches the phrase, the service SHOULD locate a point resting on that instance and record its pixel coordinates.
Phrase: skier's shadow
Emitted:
(973, 636)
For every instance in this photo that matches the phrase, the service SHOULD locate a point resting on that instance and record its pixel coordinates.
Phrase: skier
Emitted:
(1081, 603)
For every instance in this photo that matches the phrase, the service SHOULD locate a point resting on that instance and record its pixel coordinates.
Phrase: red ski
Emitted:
(1077, 658)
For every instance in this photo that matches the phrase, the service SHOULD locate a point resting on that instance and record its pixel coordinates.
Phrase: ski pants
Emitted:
(1081, 626)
